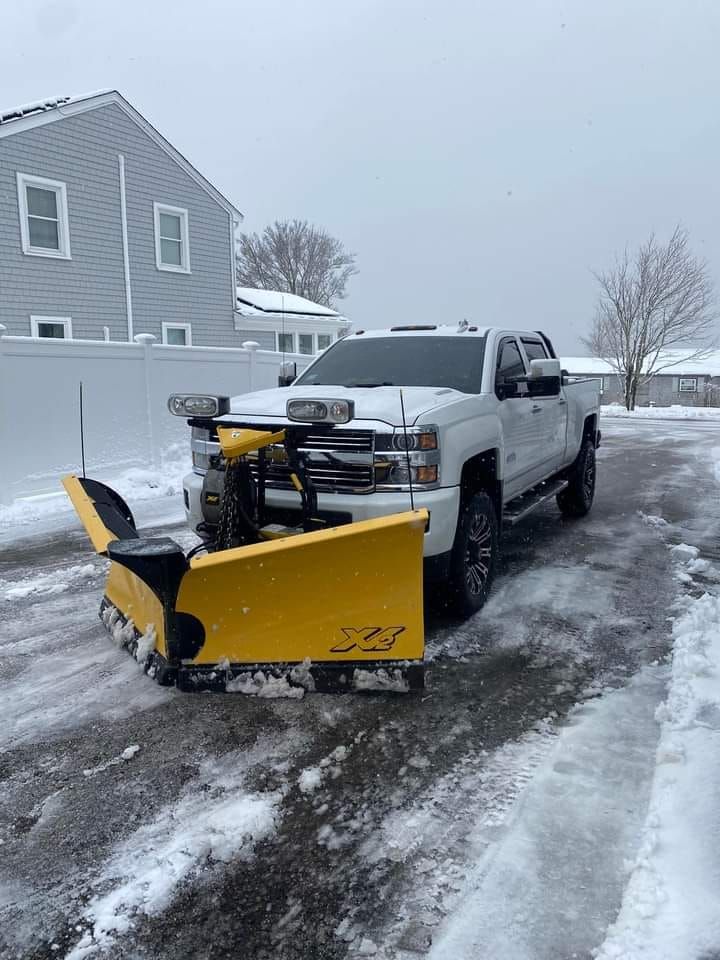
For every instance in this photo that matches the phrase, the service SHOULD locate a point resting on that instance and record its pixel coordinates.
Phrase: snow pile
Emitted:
(265, 686)
(125, 635)
(653, 521)
(671, 907)
(674, 412)
(134, 484)
(47, 584)
(380, 681)
(127, 754)
(312, 777)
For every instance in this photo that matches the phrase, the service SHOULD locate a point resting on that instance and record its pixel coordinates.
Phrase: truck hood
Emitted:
(371, 403)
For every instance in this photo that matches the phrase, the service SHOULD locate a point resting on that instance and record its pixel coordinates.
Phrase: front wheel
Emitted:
(577, 498)
(474, 555)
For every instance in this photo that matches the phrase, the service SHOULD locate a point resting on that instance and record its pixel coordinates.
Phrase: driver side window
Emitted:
(510, 364)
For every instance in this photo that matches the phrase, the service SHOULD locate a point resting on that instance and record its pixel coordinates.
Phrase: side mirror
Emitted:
(288, 373)
(506, 389)
(545, 378)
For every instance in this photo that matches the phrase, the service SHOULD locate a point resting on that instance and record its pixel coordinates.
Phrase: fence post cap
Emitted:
(144, 338)
(251, 345)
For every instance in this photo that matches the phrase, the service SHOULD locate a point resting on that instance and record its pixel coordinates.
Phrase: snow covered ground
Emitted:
(135, 485)
(671, 906)
(552, 794)
(674, 412)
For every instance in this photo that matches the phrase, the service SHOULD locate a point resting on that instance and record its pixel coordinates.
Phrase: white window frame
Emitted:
(682, 380)
(36, 320)
(25, 180)
(313, 344)
(318, 348)
(288, 333)
(171, 325)
(182, 213)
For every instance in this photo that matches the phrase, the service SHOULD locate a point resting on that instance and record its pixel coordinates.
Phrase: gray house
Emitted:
(107, 231)
(687, 382)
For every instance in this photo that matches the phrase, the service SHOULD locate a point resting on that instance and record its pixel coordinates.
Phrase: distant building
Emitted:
(106, 230)
(286, 322)
(690, 383)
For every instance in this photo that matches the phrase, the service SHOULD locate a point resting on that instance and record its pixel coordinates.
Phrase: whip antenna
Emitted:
(407, 450)
(82, 431)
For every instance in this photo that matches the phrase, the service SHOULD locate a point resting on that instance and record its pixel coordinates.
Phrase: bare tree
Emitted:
(660, 298)
(296, 257)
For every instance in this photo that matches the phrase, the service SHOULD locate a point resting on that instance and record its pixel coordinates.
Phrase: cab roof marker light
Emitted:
(417, 326)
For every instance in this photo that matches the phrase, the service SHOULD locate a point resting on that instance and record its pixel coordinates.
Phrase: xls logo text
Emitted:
(367, 639)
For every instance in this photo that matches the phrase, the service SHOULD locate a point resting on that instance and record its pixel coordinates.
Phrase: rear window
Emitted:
(454, 362)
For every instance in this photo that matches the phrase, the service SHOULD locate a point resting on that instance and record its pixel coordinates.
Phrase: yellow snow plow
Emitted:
(309, 606)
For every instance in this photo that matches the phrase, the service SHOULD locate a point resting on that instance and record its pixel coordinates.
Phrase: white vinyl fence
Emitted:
(125, 388)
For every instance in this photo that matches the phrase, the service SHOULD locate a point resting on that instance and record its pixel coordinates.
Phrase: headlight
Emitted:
(399, 460)
(414, 438)
(321, 411)
(397, 473)
(197, 405)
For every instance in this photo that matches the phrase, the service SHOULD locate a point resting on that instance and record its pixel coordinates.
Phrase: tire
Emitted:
(577, 498)
(474, 555)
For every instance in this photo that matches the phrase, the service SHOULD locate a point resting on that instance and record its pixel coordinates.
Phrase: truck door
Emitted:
(549, 417)
(515, 416)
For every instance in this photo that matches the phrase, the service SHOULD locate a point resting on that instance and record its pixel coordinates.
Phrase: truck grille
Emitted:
(340, 461)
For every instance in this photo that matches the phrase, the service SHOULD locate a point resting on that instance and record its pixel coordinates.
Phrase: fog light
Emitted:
(197, 405)
(319, 411)
(426, 474)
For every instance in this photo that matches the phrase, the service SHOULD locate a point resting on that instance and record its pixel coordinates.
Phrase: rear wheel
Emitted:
(474, 555)
(577, 498)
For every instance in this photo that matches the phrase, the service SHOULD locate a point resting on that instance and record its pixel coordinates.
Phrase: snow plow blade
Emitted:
(332, 609)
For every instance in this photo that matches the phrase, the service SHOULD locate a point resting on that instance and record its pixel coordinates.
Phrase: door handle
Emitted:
(562, 402)
(537, 409)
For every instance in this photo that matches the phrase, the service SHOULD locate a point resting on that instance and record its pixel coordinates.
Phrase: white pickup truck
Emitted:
(491, 427)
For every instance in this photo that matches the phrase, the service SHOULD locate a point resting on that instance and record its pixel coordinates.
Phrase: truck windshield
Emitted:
(454, 362)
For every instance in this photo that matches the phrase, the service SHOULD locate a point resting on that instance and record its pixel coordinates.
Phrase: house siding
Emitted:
(82, 151)
(662, 390)
(266, 338)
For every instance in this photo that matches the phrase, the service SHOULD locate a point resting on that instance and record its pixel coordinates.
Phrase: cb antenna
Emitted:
(407, 450)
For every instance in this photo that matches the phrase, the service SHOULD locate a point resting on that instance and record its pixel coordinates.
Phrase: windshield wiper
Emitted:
(370, 383)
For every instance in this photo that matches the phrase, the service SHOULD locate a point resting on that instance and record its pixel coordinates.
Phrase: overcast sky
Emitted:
(480, 158)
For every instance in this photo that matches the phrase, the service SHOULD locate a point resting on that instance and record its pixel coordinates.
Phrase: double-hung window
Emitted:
(687, 385)
(44, 227)
(323, 341)
(172, 242)
(305, 343)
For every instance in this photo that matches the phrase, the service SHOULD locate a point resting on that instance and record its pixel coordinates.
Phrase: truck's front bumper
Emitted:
(443, 505)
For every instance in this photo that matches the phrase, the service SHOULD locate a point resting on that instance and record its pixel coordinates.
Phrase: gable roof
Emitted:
(251, 301)
(48, 111)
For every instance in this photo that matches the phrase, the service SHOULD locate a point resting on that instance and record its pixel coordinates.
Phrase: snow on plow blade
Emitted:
(334, 609)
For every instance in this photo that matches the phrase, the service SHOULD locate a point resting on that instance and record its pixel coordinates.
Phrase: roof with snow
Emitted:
(17, 119)
(267, 302)
(674, 363)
